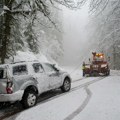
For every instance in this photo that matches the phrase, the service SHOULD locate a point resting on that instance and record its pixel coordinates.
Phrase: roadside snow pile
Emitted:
(24, 56)
(115, 72)
(28, 56)
(74, 73)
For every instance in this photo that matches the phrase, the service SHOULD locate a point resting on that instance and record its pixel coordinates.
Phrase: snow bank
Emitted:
(115, 72)
(74, 73)
(28, 56)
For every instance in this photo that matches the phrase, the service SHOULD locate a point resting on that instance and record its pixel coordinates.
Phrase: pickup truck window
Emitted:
(49, 68)
(1, 73)
(20, 70)
(38, 68)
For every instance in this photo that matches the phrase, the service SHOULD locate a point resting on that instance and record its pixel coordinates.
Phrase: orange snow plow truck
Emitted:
(98, 66)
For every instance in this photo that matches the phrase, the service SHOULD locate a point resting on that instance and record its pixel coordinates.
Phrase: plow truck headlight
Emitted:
(104, 66)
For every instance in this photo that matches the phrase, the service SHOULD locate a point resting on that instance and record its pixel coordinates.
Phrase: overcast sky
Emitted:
(74, 25)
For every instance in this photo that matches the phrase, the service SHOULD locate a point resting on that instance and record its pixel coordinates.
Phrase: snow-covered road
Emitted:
(92, 98)
(104, 103)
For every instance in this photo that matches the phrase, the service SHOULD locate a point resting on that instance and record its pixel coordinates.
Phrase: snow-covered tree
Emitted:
(105, 24)
(13, 15)
(15, 12)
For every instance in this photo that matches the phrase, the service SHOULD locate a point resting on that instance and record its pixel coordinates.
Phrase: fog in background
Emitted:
(75, 37)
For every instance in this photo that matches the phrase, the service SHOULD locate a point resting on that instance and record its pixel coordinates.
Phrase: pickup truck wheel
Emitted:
(1, 105)
(66, 85)
(29, 99)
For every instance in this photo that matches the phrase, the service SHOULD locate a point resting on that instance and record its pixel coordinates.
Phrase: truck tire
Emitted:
(1, 104)
(66, 85)
(108, 73)
(29, 99)
(83, 73)
(94, 74)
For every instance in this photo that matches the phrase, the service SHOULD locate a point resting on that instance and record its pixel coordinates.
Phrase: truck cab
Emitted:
(98, 65)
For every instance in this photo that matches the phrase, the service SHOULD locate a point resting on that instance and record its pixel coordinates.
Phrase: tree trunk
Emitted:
(6, 34)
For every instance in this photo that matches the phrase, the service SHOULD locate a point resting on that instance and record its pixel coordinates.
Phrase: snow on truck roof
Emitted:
(3, 65)
(22, 62)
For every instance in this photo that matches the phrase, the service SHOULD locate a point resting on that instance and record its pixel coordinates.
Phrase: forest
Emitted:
(36, 26)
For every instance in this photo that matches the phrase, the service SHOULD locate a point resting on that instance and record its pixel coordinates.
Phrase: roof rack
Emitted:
(24, 61)
(18, 62)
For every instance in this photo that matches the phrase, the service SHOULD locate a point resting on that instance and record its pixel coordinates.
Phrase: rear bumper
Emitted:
(17, 96)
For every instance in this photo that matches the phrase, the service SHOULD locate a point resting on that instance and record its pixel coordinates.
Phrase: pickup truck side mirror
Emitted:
(57, 69)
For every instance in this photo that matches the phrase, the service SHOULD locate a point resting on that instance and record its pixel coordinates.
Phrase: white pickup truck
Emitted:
(25, 81)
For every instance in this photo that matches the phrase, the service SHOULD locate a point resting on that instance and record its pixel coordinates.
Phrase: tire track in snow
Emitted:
(79, 79)
(86, 101)
(47, 97)
(51, 97)
(72, 89)
(81, 107)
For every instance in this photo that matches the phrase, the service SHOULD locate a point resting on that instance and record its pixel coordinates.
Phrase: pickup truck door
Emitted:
(42, 78)
(55, 79)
